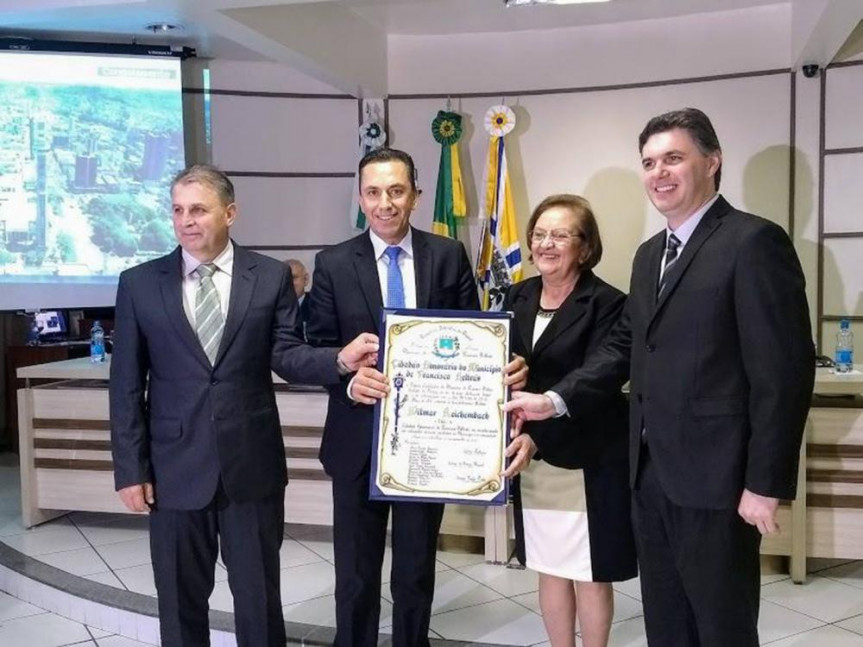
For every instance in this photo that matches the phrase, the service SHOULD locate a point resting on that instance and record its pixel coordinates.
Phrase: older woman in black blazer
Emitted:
(572, 499)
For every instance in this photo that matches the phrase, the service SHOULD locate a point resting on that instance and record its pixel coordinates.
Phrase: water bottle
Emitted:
(32, 331)
(844, 347)
(97, 343)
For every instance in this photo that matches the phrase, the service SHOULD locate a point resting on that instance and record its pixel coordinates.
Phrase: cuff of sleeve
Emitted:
(342, 367)
(350, 386)
(559, 405)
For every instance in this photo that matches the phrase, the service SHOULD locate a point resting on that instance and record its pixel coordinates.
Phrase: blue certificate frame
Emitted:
(440, 434)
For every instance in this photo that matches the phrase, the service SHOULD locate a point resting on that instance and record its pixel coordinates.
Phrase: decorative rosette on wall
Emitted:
(372, 137)
(499, 121)
(449, 201)
(498, 263)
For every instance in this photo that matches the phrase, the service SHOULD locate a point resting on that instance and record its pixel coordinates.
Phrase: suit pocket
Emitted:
(165, 429)
(703, 407)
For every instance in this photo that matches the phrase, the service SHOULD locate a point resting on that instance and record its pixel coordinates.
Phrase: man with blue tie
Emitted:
(195, 432)
(398, 266)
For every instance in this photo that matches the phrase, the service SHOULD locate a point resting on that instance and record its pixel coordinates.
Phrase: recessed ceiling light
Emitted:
(526, 3)
(162, 27)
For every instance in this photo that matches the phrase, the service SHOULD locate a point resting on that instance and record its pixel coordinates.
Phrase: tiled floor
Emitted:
(474, 601)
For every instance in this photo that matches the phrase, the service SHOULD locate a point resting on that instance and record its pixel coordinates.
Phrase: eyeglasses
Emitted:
(559, 237)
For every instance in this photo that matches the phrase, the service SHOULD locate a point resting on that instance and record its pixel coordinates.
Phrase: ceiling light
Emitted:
(526, 3)
(162, 27)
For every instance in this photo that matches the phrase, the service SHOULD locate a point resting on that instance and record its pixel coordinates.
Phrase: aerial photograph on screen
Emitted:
(88, 146)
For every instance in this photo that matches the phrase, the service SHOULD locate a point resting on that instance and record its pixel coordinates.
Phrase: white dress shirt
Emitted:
(684, 232)
(224, 263)
(406, 265)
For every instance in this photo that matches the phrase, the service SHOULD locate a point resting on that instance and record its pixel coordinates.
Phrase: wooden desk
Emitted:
(19, 356)
(826, 518)
(66, 462)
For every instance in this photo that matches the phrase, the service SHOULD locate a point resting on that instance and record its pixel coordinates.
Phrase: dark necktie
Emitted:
(671, 248)
(395, 285)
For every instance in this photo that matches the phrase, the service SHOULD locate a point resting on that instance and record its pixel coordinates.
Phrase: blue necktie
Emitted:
(395, 285)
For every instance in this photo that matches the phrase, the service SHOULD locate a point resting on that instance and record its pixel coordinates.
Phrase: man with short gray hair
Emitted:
(195, 432)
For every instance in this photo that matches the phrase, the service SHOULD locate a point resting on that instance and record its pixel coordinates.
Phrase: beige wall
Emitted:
(582, 141)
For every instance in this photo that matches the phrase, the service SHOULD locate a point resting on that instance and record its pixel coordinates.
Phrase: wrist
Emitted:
(343, 368)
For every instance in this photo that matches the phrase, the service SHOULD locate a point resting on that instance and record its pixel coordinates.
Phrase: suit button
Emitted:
(214, 382)
(651, 348)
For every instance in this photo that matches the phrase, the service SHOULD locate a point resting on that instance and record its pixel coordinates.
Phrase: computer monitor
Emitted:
(51, 323)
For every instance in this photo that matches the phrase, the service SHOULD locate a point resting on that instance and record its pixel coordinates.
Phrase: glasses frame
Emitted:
(550, 235)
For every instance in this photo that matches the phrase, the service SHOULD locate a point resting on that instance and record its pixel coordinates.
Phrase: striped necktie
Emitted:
(395, 284)
(209, 322)
(670, 258)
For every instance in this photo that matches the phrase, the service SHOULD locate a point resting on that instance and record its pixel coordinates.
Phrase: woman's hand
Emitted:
(521, 450)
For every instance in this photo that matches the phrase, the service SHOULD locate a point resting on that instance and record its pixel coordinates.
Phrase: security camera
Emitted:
(810, 71)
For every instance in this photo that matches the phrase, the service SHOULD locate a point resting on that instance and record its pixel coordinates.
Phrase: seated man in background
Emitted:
(300, 278)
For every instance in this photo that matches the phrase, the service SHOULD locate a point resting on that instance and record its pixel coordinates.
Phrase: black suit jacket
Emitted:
(577, 329)
(721, 366)
(182, 424)
(345, 300)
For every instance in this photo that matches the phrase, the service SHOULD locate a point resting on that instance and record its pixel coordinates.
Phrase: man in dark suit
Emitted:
(715, 339)
(392, 264)
(195, 432)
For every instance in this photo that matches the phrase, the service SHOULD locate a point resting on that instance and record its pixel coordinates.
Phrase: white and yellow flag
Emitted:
(499, 254)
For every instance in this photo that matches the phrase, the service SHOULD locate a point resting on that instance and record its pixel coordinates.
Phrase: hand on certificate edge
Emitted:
(362, 351)
(523, 449)
(759, 511)
(515, 373)
(138, 498)
(530, 406)
(368, 385)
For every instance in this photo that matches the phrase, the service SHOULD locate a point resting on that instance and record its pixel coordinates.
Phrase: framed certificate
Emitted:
(440, 434)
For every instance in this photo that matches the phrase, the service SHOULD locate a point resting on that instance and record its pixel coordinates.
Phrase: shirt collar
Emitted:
(380, 245)
(684, 232)
(224, 261)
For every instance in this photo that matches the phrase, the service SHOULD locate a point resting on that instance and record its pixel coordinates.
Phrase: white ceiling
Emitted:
(344, 43)
(125, 20)
(469, 16)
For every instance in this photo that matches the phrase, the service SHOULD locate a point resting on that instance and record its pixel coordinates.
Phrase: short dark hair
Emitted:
(390, 155)
(588, 229)
(210, 176)
(693, 121)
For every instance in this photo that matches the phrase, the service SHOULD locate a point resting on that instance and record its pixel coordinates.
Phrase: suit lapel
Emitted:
(571, 310)
(524, 310)
(422, 268)
(708, 224)
(366, 269)
(171, 286)
(646, 279)
(242, 287)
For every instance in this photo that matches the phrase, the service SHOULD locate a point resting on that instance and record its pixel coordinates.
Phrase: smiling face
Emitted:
(558, 262)
(677, 176)
(201, 220)
(387, 198)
